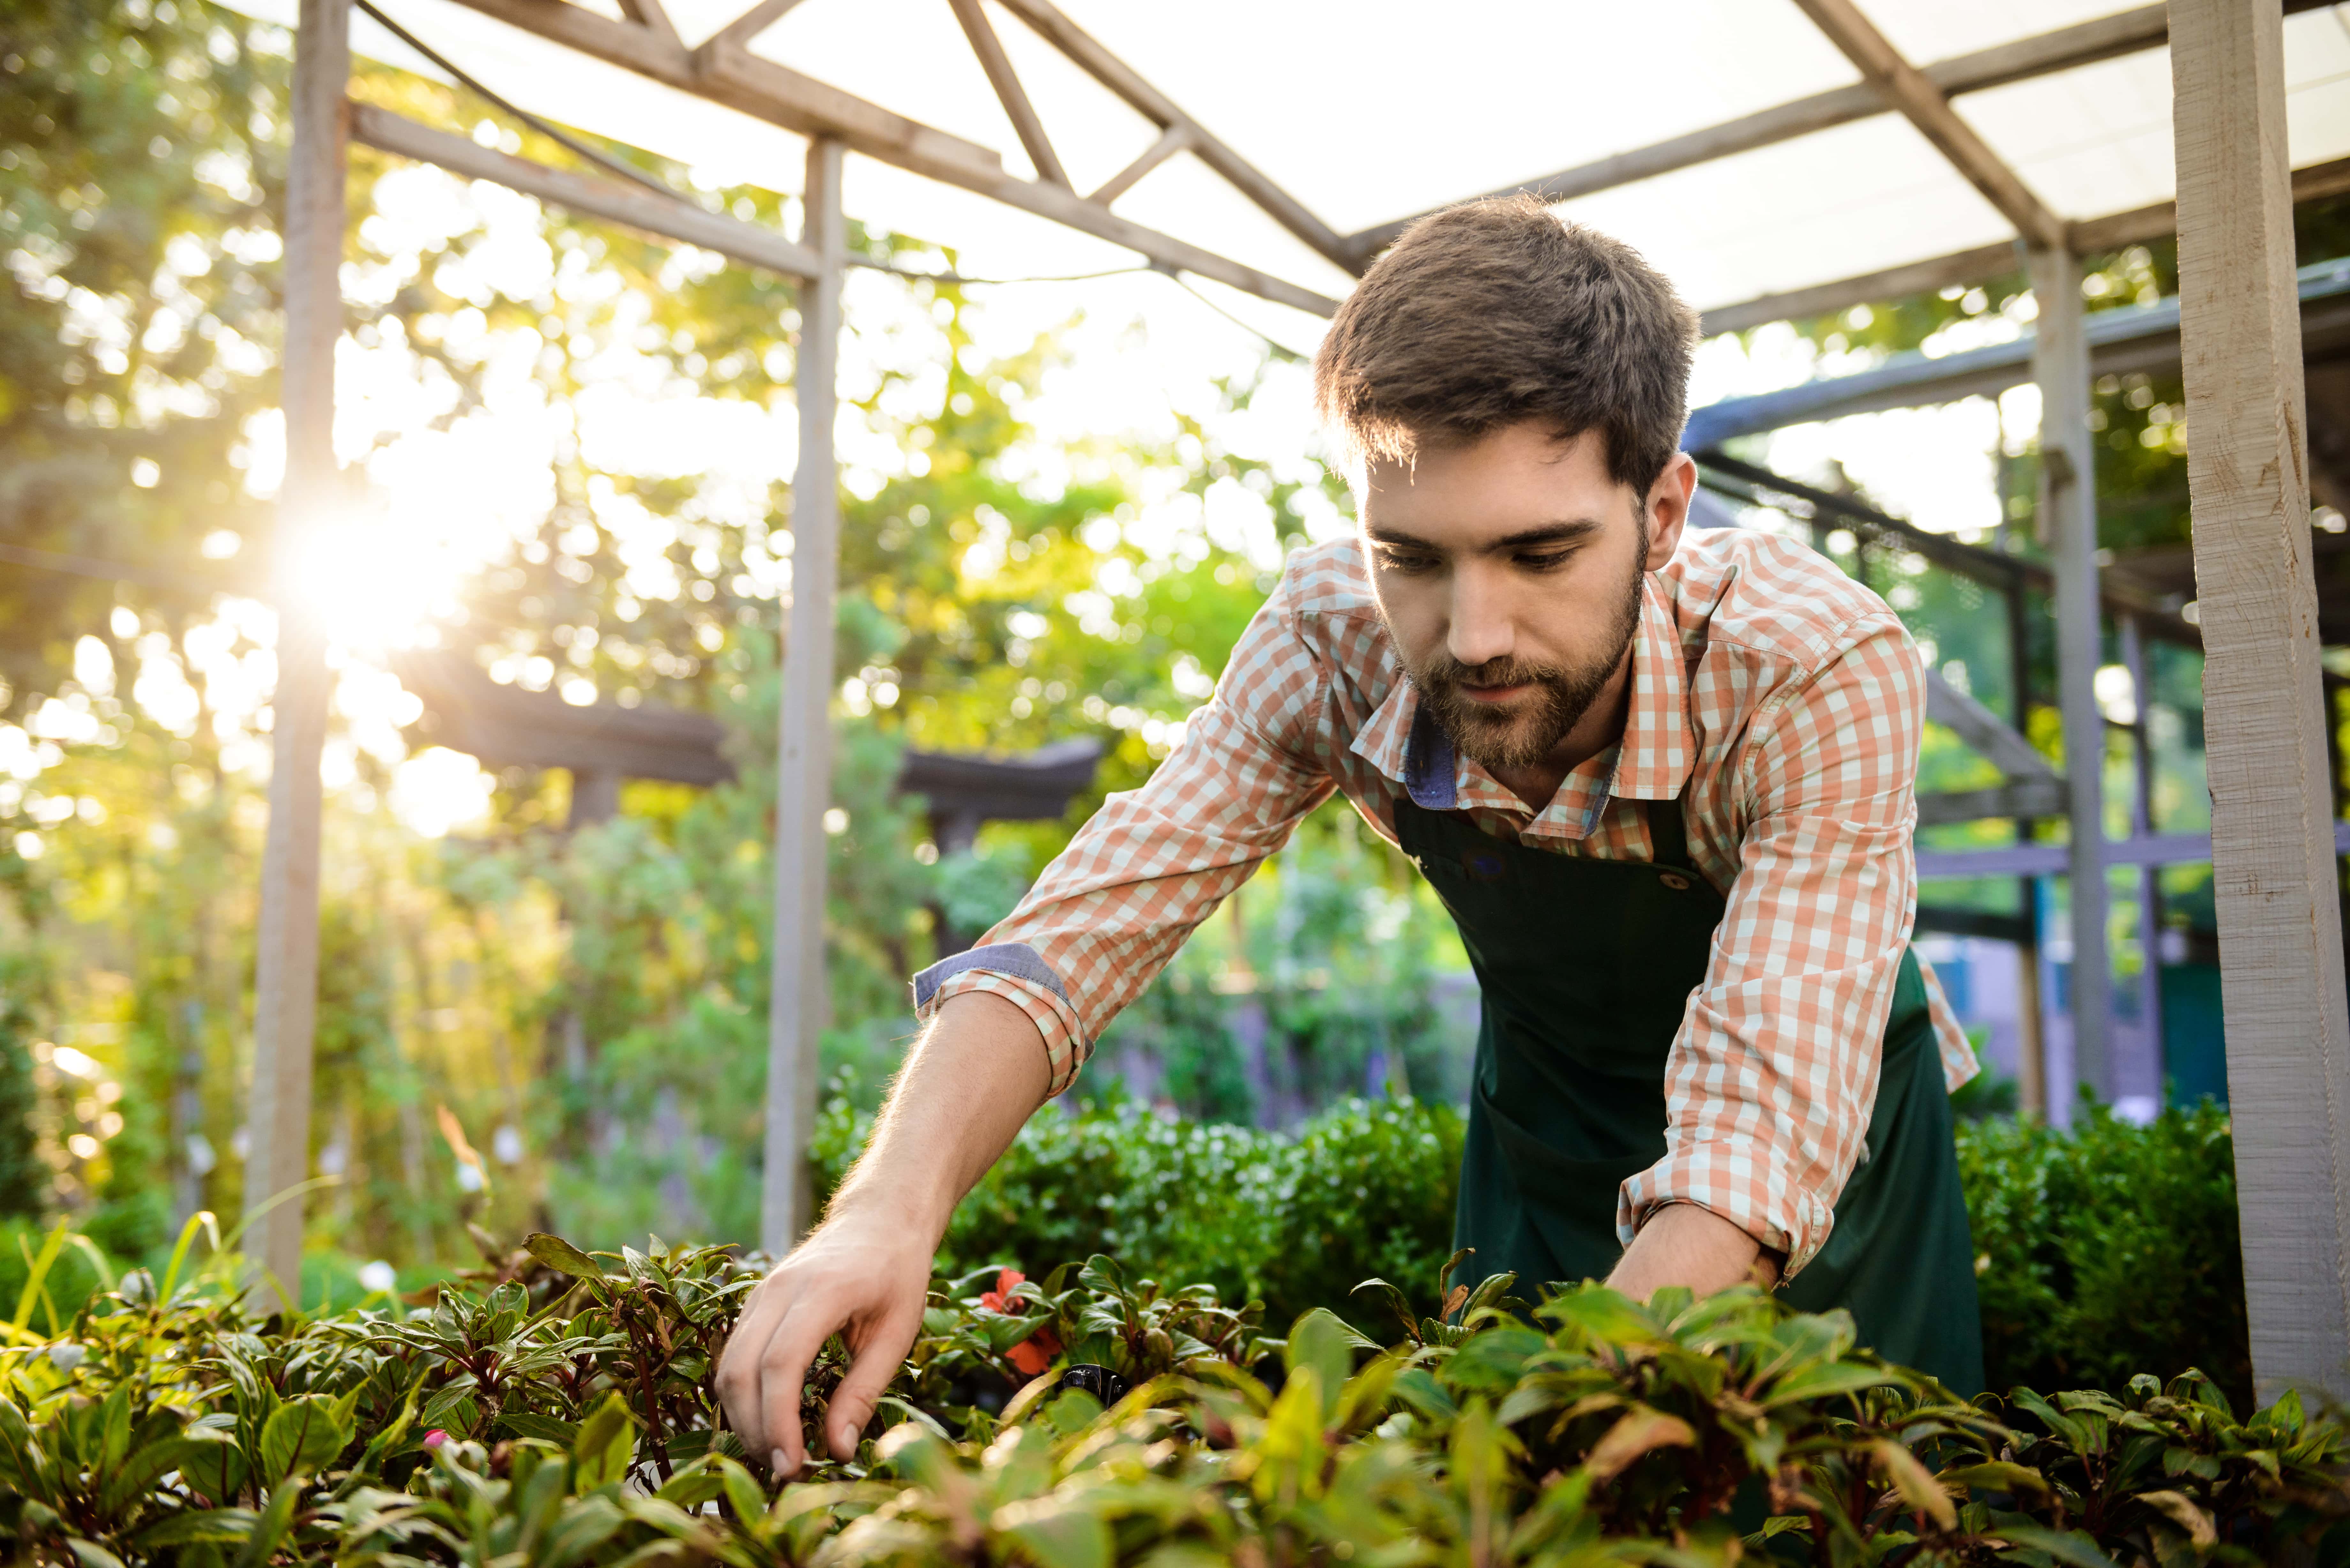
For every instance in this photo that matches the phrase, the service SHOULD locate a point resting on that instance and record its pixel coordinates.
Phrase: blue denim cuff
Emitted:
(1017, 959)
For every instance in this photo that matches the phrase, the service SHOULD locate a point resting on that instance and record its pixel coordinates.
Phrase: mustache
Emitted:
(1447, 673)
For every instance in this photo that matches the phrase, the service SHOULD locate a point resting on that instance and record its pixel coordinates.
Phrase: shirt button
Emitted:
(1676, 881)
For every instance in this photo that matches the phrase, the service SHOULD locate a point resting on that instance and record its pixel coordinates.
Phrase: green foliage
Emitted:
(2108, 1251)
(2103, 1253)
(23, 1176)
(1363, 1189)
(140, 157)
(558, 1411)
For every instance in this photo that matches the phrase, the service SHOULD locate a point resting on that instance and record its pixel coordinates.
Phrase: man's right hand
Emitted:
(864, 1274)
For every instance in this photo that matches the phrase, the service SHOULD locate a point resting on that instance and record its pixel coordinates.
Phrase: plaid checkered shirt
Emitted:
(1782, 702)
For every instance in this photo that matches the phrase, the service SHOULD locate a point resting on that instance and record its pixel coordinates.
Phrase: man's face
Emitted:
(1508, 570)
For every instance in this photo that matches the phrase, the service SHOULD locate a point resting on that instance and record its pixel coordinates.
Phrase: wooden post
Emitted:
(798, 1004)
(2149, 877)
(2273, 852)
(2031, 1012)
(2068, 512)
(285, 978)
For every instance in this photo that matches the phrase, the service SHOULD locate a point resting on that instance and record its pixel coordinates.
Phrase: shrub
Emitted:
(2103, 1253)
(558, 1413)
(2108, 1251)
(1366, 1188)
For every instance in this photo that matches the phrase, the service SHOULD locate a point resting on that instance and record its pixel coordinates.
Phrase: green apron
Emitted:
(1587, 967)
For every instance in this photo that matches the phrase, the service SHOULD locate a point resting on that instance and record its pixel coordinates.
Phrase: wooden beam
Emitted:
(1987, 735)
(1171, 141)
(731, 76)
(1025, 123)
(285, 974)
(2001, 571)
(2068, 527)
(674, 220)
(1983, 263)
(2134, 338)
(650, 16)
(774, 92)
(1928, 106)
(2018, 797)
(738, 33)
(799, 1003)
(1121, 78)
(2275, 871)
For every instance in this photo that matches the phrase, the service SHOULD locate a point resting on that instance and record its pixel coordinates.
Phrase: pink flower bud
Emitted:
(434, 1439)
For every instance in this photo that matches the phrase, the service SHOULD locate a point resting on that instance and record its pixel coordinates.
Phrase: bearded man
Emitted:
(1663, 783)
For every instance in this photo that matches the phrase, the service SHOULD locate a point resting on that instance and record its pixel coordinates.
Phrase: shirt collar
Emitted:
(1651, 761)
(1654, 758)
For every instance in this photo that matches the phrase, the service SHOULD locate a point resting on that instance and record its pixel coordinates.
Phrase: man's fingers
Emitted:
(782, 1366)
(878, 1360)
(738, 1364)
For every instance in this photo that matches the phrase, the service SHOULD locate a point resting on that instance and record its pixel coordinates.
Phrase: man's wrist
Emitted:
(1685, 1243)
(883, 1205)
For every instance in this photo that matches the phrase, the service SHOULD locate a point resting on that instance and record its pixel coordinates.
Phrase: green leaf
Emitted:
(2066, 1546)
(2182, 1512)
(90, 1554)
(1827, 1380)
(1917, 1488)
(579, 1531)
(301, 1438)
(1998, 1475)
(607, 1442)
(1638, 1431)
(270, 1527)
(212, 1466)
(114, 1428)
(146, 1466)
(1056, 1534)
(546, 1428)
(198, 1524)
(1325, 1343)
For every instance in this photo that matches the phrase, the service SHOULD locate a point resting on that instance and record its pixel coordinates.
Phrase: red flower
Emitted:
(996, 1299)
(434, 1439)
(1036, 1352)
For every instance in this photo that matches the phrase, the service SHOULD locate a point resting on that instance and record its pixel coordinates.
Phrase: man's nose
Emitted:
(1482, 629)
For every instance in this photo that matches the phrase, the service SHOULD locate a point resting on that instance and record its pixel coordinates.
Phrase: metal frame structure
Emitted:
(2273, 844)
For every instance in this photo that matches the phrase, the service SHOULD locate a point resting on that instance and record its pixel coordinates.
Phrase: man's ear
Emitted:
(1669, 509)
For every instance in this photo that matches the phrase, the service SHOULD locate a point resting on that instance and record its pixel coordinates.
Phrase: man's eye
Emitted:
(1398, 561)
(1545, 560)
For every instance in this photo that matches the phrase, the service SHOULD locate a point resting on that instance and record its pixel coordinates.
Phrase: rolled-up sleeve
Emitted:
(1771, 1082)
(1111, 910)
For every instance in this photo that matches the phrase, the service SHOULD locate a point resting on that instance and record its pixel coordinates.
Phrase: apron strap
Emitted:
(1669, 836)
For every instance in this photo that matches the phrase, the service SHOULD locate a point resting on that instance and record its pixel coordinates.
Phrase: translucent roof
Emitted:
(1373, 112)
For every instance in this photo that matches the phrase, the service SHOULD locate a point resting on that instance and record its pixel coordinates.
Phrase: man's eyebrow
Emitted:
(1573, 532)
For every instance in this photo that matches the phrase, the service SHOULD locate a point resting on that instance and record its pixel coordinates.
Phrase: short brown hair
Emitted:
(1496, 312)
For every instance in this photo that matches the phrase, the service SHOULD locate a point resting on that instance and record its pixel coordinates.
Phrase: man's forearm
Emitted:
(1682, 1244)
(975, 1075)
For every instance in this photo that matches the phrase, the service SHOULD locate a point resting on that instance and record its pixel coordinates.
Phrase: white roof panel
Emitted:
(1387, 108)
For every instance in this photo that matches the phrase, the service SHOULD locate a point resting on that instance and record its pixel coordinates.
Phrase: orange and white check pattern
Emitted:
(1781, 701)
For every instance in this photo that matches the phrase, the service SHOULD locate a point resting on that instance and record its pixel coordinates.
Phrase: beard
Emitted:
(1526, 729)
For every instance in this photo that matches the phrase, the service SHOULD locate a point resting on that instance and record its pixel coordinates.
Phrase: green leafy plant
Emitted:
(2108, 1250)
(1366, 1188)
(554, 1408)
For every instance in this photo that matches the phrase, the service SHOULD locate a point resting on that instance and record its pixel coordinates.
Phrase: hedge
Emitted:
(2103, 1253)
